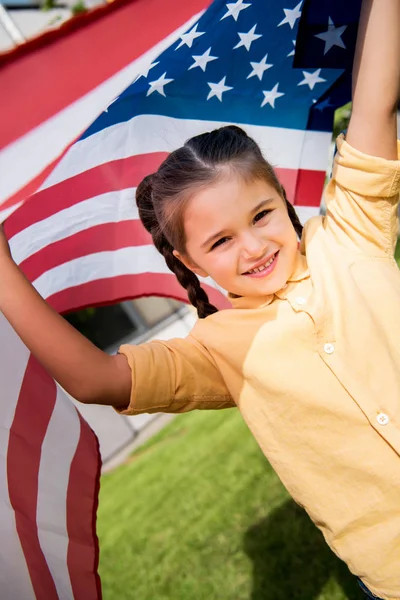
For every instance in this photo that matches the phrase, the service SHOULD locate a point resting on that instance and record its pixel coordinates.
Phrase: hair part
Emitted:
(204, 159)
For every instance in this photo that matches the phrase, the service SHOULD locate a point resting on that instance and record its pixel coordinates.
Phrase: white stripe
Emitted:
(58, 450)
(316, 151)
(144, 134)
(306, 212)
(22, 160)
(15, 582)
(125, 261)
(105, 208)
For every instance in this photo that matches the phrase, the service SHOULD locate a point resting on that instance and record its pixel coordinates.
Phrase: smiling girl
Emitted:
(310, 351)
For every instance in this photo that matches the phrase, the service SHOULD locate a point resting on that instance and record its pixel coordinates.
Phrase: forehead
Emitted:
(221, 203)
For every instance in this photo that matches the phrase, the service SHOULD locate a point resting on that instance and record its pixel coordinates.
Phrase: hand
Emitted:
(4, 245)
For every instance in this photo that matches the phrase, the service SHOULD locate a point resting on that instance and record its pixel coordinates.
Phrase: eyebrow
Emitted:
(221, 233)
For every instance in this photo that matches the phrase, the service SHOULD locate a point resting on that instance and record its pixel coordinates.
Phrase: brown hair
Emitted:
(162, 196)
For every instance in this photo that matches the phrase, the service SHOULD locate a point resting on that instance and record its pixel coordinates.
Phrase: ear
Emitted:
(189, 264)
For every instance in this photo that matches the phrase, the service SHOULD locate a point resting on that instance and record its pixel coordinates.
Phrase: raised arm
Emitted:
(376, 80)
(174, 376)
(87, 373)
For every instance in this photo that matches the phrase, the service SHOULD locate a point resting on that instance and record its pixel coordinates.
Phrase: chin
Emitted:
(267, 288)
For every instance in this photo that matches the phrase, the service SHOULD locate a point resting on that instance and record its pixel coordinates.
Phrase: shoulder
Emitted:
(206, 329)
(364, 174)
(311, 227)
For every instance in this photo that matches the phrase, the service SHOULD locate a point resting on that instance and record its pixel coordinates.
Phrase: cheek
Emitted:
(284, 230)
(223, 263)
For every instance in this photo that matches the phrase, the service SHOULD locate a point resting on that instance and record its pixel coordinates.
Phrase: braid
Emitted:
(298, 227)
(144, 203)
(162, 197)
(185, 276)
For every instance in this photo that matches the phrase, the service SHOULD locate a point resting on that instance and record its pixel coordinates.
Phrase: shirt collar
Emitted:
(300, 272)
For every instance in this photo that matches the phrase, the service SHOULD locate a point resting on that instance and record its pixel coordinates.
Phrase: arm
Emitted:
(376, 79)
(87, 373)
(174, 376)
(362, 195)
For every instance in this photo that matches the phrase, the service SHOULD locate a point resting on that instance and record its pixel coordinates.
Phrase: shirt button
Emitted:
(300, 300)
(382, 419)
(329, 348)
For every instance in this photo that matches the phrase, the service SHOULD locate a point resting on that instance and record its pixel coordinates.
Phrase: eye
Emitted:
(219, 242)
(261, 215)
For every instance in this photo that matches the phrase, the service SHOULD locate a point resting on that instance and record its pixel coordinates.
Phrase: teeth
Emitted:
(263, 267)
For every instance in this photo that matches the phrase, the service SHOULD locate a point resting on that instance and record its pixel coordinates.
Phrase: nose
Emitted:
(253, 246)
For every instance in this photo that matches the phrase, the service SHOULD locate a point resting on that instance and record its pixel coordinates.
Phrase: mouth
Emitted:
(265, 268)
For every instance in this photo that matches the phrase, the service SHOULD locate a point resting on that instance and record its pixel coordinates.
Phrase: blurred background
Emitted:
(20, 20)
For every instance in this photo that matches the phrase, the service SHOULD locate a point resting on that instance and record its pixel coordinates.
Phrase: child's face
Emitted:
(233, 228)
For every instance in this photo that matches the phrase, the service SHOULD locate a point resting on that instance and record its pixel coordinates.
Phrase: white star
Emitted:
(158, 85)
(294, 47)
(217, 89)
(246, 39)
(271, 95)
(189, 37)
(259, 68)
(146, 70)
(202, 60)
(291, 15)
(311, 79)
(234, 9)
(332, 37)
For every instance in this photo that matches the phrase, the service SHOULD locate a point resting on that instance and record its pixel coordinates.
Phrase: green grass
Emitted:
(198, 514)
(397, 252)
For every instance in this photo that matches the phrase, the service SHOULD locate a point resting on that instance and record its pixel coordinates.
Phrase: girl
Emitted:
(310, 351)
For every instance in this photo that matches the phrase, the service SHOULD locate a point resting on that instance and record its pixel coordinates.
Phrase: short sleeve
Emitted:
(174, 376)
(361, 200)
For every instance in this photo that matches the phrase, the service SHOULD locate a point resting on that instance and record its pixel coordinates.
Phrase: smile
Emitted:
(264, 268)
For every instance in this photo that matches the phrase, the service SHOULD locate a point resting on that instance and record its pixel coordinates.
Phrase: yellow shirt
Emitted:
(314, 369)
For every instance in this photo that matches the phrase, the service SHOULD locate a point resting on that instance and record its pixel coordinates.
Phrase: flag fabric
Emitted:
(50, 461)
(70, 75)
(49, 480)
(79, 240)
(327, 38)
(327, 34)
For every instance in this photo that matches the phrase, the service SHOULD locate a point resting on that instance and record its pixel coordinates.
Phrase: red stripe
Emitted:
(109, 177)
(101, 238)
(30, 188)
(106, 41)
(303, 185)
(310, 185)
(33, 412)
(126, 287)
(82, 501)
(128, 172)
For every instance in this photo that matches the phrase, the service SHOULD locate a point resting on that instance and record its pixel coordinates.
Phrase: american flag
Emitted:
(235, 65)
(79, 239)
(49, 457)
(49, 481)
(70, 74)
